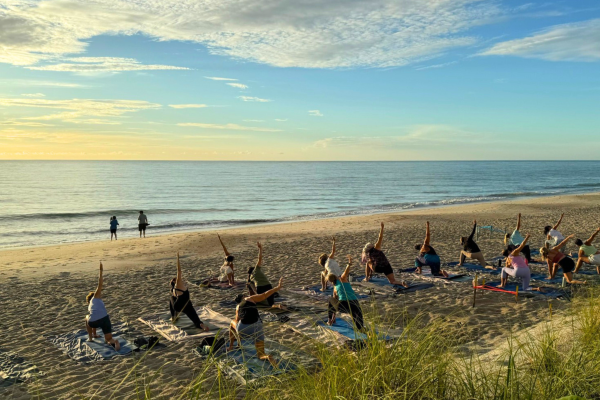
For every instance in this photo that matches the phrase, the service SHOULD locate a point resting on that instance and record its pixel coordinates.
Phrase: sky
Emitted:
(300, 80)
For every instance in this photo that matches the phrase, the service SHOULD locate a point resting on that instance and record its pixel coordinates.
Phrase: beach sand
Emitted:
(42, 290)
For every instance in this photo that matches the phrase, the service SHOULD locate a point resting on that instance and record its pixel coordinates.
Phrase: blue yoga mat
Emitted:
(474, 268)
(346, 329)
(316, 291)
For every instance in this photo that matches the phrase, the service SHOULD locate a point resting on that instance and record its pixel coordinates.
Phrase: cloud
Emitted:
(238, 85)
(23, 123)
(315, 113)
(80, 110)
(27, 82)
(568, 42)
(103, 64)
(188, 105)
(33, 95)
(256, 99)
(216, 78)
(282, 33)
(254, 120)
(229, 127)
(437, 65)
(280, 120)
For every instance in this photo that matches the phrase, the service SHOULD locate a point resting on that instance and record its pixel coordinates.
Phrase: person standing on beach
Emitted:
(330, 264)
(142, 223)
(471, 249)
(344, 299)
(514, 240)
(113, 227)
(554, 237)
(376, 261)
(428, 256)
(180, 300)
(555, 258)
(226, 271)
(588, 253)
(98, 316)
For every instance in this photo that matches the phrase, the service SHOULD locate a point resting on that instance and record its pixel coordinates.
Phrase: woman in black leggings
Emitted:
(180, 300)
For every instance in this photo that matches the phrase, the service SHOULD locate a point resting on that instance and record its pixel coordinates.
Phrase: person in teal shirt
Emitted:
(514, 240)
(344, 299)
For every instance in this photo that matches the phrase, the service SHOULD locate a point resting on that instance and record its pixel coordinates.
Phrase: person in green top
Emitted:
(258, 282)
(344, 299)
(588, 253)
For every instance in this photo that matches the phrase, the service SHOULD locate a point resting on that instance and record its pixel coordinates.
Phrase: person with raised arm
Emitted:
(555, 258)
(376, 261)
(98, 316)
(512, 241)
(258, 283)
(180, 300)
(588, 253)
(516, 266)
(226, 273)
(247, 324)
(330, 264)
(553, 236)
(428, 256)
(471, 249)
(344, 299)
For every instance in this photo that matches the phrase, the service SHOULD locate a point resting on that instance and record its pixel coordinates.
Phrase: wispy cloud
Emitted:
(33, 95)
(280, 120)
(33, 83)
(238, 85)
(188, 105)
(23, 123)
(437, 65)
(253, 120)
(568, 42)
(216, 78)
(229, 127)
(315, 113)
(256, 99)
(103, 64)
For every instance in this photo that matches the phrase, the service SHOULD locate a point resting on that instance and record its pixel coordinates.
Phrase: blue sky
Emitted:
(299, 80)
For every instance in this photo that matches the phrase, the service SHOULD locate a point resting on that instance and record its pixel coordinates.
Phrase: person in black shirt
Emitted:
(470, 249)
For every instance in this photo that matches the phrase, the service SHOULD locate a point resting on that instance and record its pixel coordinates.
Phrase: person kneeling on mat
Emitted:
(376, 261)
(247, 324)
(258, 283)
(344, 299)
(98, 317)
(330, 264)
(555, 258)
(428, 257)
(180, 300)
(588, 253)
(471, 249)
(226, 273)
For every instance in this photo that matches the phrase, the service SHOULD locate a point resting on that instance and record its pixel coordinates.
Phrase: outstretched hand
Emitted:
(280, 285)
(101, 267)
(474, 222)
(259, 245)
(349, 260)
(527, 236)
(570, 236)
(382, 225)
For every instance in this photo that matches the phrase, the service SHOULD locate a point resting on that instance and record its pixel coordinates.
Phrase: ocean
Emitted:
(53, 202)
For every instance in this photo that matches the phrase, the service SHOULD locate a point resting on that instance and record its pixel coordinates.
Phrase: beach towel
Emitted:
(184, 329)
(316, 292)
(76, 345)
(340, 333)
(381, 282)
(215, 283)
(15, 369)
(474, 268)
(426, 275)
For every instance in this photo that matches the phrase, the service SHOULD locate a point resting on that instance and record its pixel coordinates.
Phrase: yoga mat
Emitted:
(15, 369)
(315, 291)
(340, 333)
(184, 329)
(474, 268)
(214, 283)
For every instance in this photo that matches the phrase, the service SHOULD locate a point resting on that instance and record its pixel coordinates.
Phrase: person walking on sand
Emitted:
(512, 241)
(113, 227)
(516, 266)
(330, 264)
(428, 256)
(258, 283)
(98, 316)
(555, 258)
(588, 253)
(247, 324)
(226, 272)
(142, 223)
(554, 237)
(471, 249)
(376, 261)
(344, 299)
(180, 300)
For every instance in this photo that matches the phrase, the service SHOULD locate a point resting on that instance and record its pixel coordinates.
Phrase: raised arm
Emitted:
(380, 238)
(332, 255)
(591, 239)
(223, 245)
(179, 274)
(259, 261)
(257, 298)
(518, 222)
(98, 292)
(561, 244)
(347, 270)
(474, 229)
(427, 234)
(521, 246)
(559, 221)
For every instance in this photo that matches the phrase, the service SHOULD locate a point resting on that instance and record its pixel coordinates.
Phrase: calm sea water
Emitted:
(50, 202)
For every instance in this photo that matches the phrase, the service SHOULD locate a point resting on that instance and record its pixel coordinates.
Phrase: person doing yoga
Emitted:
(344, 299)
(226, 273)
(555, 258)
(471, 249)
(247, 324)
(330, 264)
(258, 283)
(516, 266)
(554, 237)
(376, 261)
(428, 257)
(588, 253)
(98, 317)
(180, 300)
(512, 241)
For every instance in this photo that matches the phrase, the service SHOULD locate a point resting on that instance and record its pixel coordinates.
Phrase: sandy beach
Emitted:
(43, 289)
